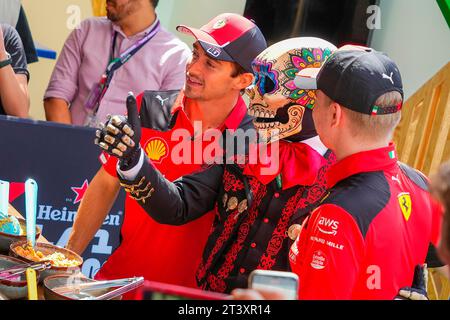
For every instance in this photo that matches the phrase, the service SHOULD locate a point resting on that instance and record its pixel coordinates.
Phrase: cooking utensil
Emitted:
(4, 199)
(98, 285)
(32, 284)
(8, 224)
(63, 280)
(135, 283)
(31, 189)
(14, 271)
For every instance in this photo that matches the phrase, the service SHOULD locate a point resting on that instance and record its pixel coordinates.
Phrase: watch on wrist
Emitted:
(6, 62)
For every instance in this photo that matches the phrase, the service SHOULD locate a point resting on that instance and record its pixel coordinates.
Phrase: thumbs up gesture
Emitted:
(120, 135)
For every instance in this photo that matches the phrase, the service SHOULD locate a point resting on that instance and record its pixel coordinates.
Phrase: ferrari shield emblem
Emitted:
(404, 200)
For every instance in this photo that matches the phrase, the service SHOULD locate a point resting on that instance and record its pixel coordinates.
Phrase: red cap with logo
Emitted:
(229, 37)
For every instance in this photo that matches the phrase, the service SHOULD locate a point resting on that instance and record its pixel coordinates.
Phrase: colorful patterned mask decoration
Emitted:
(277, 103)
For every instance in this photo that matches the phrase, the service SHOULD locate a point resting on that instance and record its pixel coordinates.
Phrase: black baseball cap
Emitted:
(356, 78)
(230, 37)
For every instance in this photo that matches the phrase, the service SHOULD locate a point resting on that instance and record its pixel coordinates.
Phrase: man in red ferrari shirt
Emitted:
(377, 221)
(212, 95)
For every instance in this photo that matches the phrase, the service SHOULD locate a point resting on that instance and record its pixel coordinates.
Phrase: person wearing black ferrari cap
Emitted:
(378, 220)
(371, 233)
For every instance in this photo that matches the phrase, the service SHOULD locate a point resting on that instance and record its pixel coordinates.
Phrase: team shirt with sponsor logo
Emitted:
(373, 227)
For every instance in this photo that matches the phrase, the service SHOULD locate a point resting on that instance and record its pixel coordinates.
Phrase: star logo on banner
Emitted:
(16, 189)
(80, 191)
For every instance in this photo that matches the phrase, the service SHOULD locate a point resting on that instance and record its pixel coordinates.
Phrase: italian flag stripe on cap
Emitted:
(375, 110)
(392, 154)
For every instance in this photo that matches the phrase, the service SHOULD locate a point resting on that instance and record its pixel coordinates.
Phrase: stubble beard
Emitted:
(123, 11)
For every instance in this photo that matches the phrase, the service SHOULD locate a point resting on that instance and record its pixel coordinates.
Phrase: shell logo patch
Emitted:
(404, 200)
(156, 149)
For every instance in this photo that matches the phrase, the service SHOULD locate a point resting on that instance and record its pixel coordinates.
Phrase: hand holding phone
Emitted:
(283, 283)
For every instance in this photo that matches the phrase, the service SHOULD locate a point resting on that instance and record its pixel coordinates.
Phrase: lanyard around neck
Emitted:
(97, 94)
(125, 56)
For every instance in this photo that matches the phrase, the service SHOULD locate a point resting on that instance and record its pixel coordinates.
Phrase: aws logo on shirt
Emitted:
(329, 226)
(156, 149)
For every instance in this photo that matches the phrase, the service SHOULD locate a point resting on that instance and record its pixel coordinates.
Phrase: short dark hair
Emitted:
(154, 3)
(237, 70)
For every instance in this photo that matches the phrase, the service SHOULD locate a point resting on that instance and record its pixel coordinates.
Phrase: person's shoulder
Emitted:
(362, 195)
(95, 24)
(168, 39)
(6, 27)
(12, 40)
(416, 176)
(9, 32)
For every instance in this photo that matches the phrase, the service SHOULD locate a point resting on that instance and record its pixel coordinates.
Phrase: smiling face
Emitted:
(277, 104)
(209, 79)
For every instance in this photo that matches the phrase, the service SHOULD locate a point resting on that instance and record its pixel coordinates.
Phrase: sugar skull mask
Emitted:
(282, 109)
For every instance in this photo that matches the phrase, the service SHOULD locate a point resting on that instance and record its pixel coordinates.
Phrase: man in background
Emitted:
(12, 13)
(14, 76)
(103, 59)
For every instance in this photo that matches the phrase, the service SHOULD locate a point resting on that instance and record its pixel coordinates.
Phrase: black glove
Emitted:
(120, 136)
(418, 289)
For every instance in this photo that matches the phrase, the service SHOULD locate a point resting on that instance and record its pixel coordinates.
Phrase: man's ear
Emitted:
(244, 80)
(336, 114)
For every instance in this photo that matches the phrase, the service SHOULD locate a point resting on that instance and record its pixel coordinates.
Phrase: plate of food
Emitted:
(7, 238)
(62, 260)
(13, 284)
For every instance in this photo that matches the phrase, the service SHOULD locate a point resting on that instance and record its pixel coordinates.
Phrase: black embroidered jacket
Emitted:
(252, 219)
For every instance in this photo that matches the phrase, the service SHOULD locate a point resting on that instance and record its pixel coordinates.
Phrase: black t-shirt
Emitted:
(24, 31)
(14, 47)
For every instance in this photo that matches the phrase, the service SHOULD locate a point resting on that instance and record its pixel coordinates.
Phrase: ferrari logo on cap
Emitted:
(220, 24)
(156, 149)
(404, 199)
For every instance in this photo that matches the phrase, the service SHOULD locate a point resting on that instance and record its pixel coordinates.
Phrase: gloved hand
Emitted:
(120, 136)
(418, 289)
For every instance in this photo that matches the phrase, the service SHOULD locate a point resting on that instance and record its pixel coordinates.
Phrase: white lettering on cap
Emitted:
(215, 52)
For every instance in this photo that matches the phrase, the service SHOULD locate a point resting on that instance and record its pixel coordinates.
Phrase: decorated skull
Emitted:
(281, 108)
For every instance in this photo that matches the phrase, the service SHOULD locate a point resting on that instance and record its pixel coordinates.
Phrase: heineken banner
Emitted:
(62, 160)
